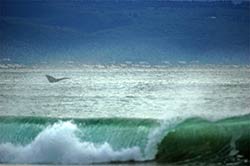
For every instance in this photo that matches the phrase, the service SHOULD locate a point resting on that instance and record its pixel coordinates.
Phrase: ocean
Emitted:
(126, 115)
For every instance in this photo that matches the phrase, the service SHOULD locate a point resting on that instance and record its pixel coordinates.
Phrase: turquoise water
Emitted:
(122, 114)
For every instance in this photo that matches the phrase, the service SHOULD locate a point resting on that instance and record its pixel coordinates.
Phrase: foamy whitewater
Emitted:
(121, 113)
(59, 144)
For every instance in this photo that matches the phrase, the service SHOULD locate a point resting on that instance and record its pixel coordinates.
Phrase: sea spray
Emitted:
(58, 144)
(157, 134)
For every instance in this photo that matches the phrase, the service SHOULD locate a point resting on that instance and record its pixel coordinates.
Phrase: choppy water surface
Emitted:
(127, 92)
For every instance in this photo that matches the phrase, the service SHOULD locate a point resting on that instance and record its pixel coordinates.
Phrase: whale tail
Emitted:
(53, 79)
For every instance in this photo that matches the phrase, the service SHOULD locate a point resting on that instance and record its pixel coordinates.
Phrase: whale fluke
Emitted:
(53, 79)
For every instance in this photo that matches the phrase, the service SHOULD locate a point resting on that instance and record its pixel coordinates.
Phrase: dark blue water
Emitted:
(119, 31)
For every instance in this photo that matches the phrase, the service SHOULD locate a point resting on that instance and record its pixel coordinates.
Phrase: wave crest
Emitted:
(58, 143)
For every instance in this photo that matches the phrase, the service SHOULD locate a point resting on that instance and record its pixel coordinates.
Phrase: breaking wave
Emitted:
(83, 141)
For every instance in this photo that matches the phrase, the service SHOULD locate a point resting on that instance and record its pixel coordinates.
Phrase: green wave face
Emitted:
(81, 141)
(121, 133)
(199, 140)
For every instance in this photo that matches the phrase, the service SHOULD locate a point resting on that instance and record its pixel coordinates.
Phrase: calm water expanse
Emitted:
(122, 113)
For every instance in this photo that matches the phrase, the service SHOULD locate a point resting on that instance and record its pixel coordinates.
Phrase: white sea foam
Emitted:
(59, 144)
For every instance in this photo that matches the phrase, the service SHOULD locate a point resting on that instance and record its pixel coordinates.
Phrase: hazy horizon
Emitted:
(116, 32)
